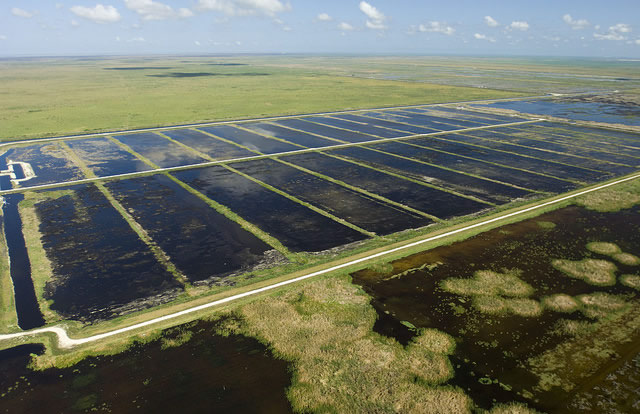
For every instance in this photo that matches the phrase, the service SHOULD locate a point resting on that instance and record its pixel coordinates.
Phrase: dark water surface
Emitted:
(567, 172)
(583, 110)
(294, 225)
(160, 150)
(356, 208)
(297, 137)
(250, 140)
(202, 243)
(496, 348)
(324, 130)
(464, 184)
(504, 174)
(104, 157)
(50, 164)
(101, 268)
(360, 127)
(208, 374)
(426, 199)
(215, 148)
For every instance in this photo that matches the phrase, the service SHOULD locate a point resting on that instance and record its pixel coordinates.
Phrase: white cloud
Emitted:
(490, 21)
(197, 43)
(59, 6)
(615, 32)
(375, 18)
(621, 27)
(575, 24)
(3, 37)
(324, 17)
(519, 25)
(137, 40)
(244, 7)
(74, 23)
(637, 42)
(153, 10)
(344, 26)
(480, 36)
(16, 11)
(437, 27)
(98, 14)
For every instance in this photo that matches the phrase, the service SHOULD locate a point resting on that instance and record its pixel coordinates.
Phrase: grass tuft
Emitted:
(632, 281)
(325, 328)
(560, 303)
(593, 271)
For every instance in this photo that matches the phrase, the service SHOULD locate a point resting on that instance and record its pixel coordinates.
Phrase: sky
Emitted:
(594, 28)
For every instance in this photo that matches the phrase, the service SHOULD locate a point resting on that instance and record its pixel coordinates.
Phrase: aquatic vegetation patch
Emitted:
(604, 248)
(627, 259)
(560, 303)
(325, 328)
(612, 250)
(632, 281)
(512, 408)
(593, 271)
(600, 305)
(546, 225)
(490, 283)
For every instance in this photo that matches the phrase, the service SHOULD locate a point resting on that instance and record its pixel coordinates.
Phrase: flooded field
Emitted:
(215, 148)
(585, 108)
(543, 311)
(297, 227)
(100, 269)
(159, 150)
(50, 163)
(324, 130)
(202, 243)
(290, 135)
(104, 157)
(462, 183)
(505, 174)
(449, 144)
(436, 202)
(359, 127)
(190, 368)
(356, 208)
(250, 140)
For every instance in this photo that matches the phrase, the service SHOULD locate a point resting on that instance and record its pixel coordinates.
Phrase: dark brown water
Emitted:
(207, 374)
(492, 350)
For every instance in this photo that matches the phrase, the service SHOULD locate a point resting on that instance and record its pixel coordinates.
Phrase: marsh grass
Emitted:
(607, 249)
(512, 408)
(560, 303)
(593, 271)
(632, 281)
(612, 199)
(490, 283)
(612, 250)
(593, 344)
(496, 293)
(626, 259)
(341, 365)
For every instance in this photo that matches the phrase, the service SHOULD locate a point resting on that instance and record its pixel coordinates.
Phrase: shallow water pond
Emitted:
(516, 348)
(190, 369)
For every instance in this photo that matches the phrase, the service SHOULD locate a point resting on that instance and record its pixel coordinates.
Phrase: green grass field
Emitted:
(50, 97)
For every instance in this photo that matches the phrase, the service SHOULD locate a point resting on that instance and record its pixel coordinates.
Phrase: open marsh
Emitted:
(525, 330)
